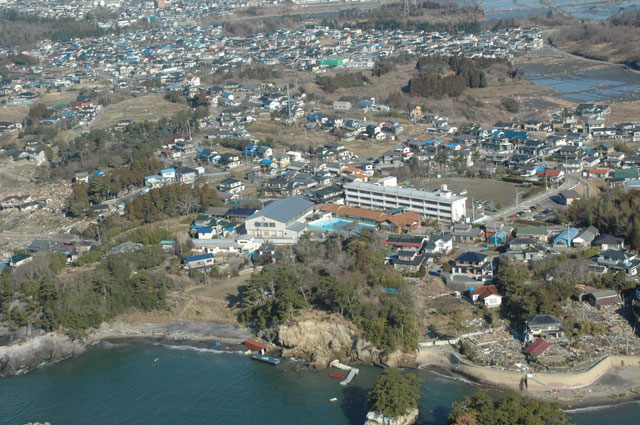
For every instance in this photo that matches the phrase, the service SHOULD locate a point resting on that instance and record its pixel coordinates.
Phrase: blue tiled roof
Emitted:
(198, 257)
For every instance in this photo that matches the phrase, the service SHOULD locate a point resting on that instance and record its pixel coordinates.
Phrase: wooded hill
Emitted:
(615, 40)
(341, 275)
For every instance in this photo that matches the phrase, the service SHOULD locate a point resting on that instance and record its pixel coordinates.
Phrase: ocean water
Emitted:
(146, 384)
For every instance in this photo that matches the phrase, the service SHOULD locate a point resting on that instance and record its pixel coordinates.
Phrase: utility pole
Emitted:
(289, 103)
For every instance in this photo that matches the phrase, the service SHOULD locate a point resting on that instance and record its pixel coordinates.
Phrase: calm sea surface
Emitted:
(145, 384)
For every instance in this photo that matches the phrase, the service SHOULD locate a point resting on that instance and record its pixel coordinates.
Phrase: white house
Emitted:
(488, 295)
(198, 261)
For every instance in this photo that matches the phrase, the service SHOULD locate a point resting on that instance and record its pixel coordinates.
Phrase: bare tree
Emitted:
(187, 203)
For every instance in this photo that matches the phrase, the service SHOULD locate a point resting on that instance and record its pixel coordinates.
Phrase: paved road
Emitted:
(571, 182)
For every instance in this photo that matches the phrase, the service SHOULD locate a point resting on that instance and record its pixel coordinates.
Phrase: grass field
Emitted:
(58, 98)
(490, 190)
(151, 107)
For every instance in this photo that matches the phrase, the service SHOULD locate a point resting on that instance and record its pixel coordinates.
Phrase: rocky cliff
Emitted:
(377, 418)
(31, 353)
(320, 340)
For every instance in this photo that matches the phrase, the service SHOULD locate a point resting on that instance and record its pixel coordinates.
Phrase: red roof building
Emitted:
(489, 295)
(537, 347)
(255, 346)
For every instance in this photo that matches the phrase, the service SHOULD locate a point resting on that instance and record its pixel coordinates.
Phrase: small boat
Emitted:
(333, 399)
(266, 359)
(337, 375)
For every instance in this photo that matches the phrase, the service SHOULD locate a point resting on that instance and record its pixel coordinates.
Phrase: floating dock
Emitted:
(266, 359)
(352, 371)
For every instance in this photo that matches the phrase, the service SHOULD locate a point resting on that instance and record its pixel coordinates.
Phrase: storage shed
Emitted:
(598, 298)
(256, 346)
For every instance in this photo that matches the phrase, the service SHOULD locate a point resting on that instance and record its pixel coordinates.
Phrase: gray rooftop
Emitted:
(403, 191)
(284, 210)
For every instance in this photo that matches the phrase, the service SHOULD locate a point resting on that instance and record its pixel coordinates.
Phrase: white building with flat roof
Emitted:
(386, 194)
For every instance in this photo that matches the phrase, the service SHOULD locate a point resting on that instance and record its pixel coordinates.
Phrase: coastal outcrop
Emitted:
(321, 340)
(28, 352)
(377, 418)
(31, 353)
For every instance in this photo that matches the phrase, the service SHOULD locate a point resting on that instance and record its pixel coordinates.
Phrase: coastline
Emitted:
(612, 380)
(595, 387)
(25, 355)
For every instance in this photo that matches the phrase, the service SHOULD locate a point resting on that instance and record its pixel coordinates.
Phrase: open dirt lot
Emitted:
(13, 113)
(151, 107)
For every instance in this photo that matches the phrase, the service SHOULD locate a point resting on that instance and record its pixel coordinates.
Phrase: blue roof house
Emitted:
(198, 261)
(566, 237)
(499, 238)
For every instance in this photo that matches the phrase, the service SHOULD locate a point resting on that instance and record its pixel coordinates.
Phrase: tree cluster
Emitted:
(467, 73)
(341, 275)
(101, 188)
(441, 18)
(36, 295)
(112, 149)
(394, 393)
(171, 201)
(614, 212)
(507, 410)
(510, 104)
(19, 28)
(341, 80)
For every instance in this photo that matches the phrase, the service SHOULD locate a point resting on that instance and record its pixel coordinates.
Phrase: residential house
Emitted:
(585, 237)
(230, 160)
(405, 242)
(566, 237)
(618, 260)
(543, 325)
(536, 348)
(539, 233)
(239, 214)
(439, 244)
(465, 232)
(198, 261)
(472, 264)
(231, 185)
(608, 242)
(487, 295)
(524, 249)
(187, 175)
(410, 261)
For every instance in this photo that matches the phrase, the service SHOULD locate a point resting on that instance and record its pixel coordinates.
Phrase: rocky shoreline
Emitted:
(318, 342)
(28, 353)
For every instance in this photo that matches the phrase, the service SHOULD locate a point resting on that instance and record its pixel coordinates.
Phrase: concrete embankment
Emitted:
(511, 380)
